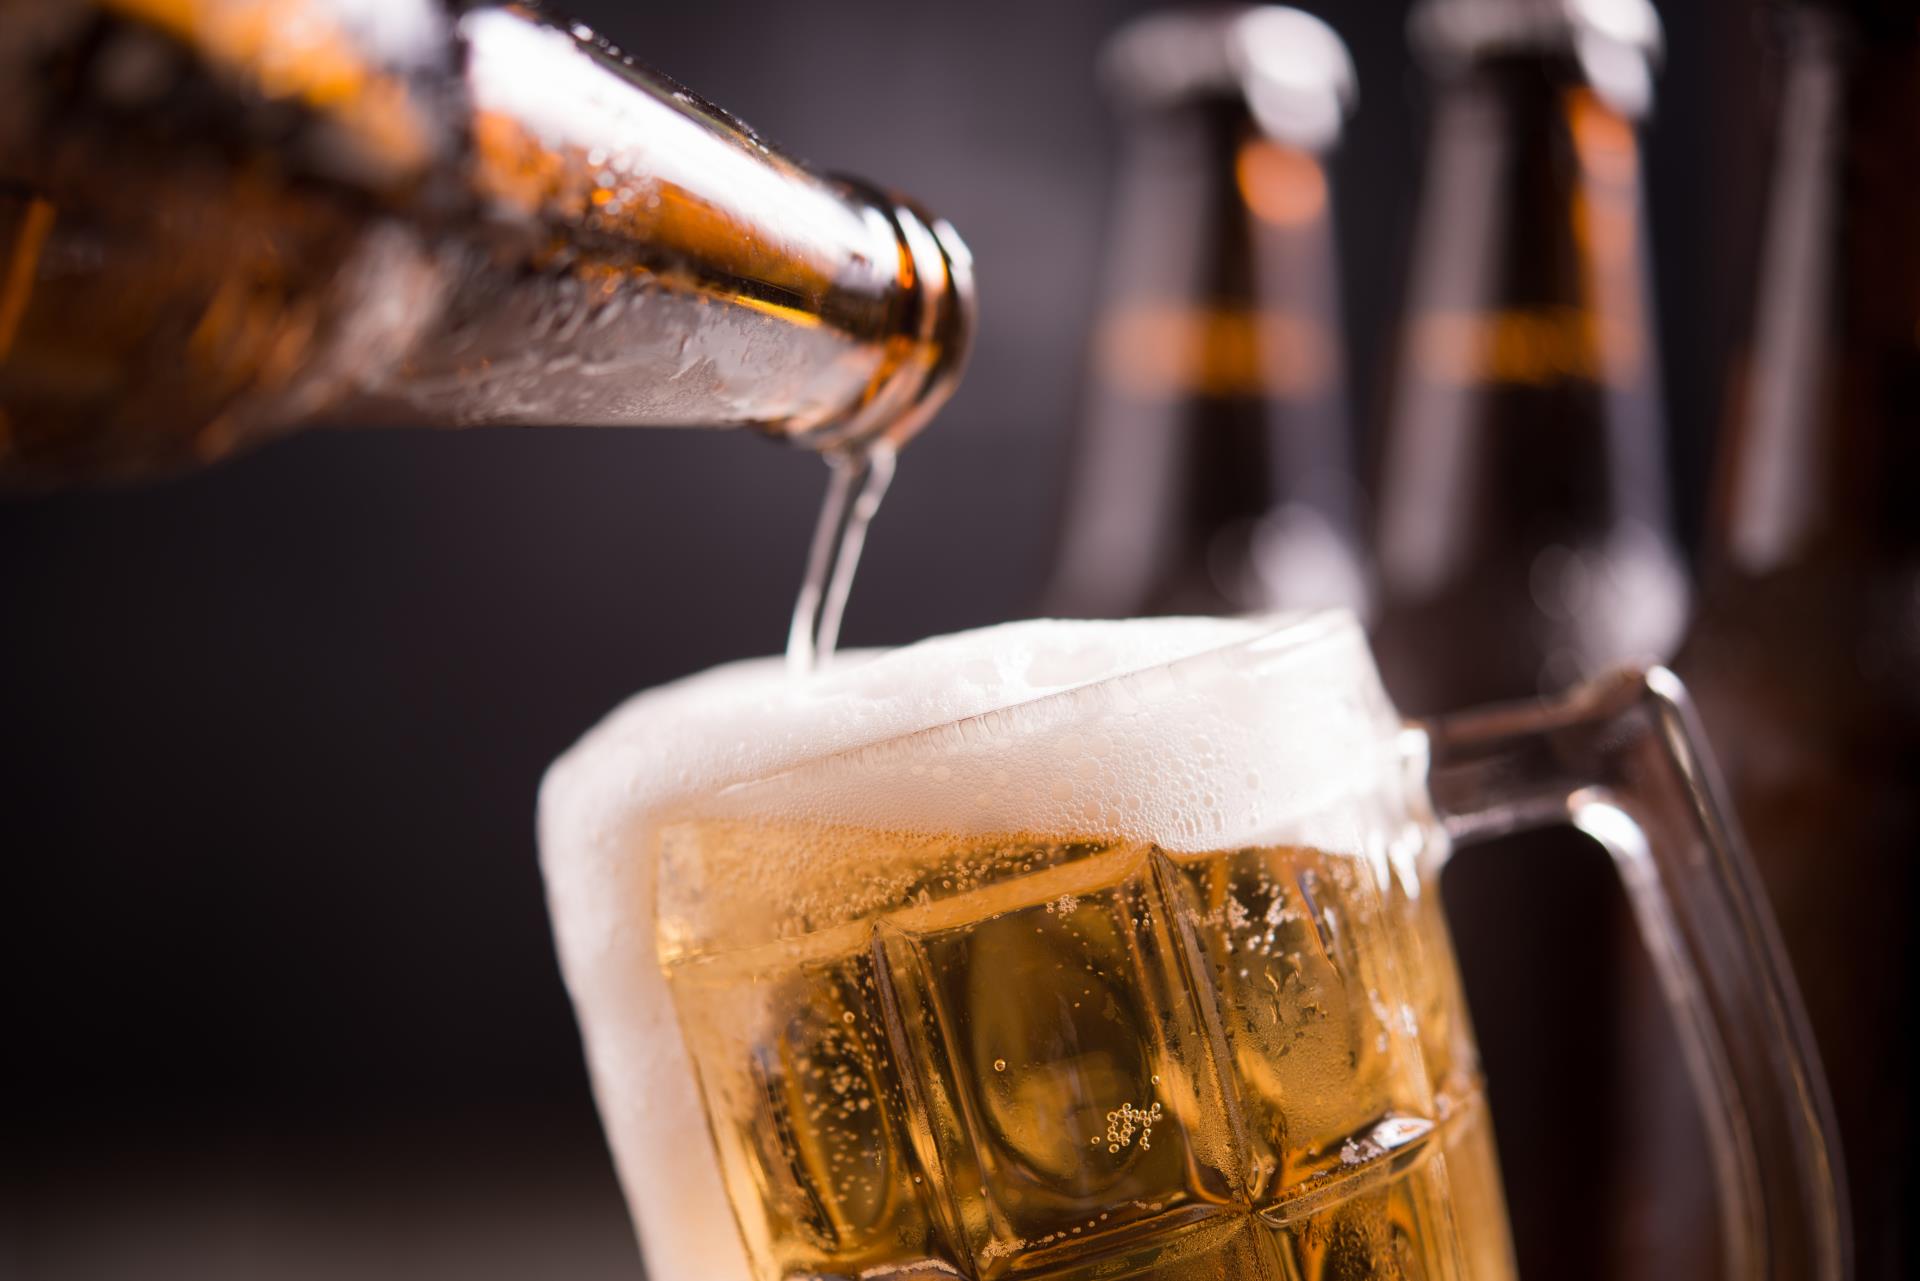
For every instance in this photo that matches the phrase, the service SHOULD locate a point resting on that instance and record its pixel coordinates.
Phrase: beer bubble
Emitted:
(999, 1065)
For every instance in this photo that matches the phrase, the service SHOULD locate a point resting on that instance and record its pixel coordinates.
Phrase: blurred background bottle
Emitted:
(1213, 469)
(1524, 503)
(1525, 540)
(220, 219)
(1805, 658)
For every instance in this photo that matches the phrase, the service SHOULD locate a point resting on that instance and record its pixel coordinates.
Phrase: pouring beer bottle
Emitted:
(1524, 538)
(222, 219)
(1805, 658)
(1212, 471)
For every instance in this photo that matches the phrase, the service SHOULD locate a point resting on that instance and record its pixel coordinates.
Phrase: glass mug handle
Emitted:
(1622, 759)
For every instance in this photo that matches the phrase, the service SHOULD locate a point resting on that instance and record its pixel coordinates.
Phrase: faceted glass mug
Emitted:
(1112, 950)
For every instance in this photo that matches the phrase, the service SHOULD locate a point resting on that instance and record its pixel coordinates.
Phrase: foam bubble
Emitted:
(1195, 734)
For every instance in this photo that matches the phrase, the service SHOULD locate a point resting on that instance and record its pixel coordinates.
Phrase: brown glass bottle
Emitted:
(1212, 472)
(221, 219)
(1524, 532)
(1524, 540)
(1805, 658)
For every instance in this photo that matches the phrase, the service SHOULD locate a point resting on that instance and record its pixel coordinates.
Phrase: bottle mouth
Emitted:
(928, 343)
(1618, 44)
(1462, 28)
(1293, 70)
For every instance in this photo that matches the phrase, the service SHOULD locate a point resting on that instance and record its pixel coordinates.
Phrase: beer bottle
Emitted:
(1523, 494)
(1212, 471)
(220, 219)
(1524, 540)
(1806, 655)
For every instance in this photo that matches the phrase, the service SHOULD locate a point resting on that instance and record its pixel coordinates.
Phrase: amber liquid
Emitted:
(1076, 1059)
(858, 481)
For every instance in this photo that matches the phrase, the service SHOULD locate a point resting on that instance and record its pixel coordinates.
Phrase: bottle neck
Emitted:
(1527, 407)
(1222, 234)
(1819, 459)
(1217, 422)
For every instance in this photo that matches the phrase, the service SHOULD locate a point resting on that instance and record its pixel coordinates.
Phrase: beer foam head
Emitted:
(1193, 734)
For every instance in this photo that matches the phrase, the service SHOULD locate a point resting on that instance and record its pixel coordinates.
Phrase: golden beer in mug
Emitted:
(1110, 950)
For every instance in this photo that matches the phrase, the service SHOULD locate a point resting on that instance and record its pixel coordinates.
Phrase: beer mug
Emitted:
(1112, 950)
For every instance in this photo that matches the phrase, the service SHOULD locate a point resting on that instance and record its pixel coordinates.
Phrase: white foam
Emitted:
(1196, 734)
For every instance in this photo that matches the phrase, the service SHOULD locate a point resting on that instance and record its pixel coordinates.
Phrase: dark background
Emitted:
(281, 999)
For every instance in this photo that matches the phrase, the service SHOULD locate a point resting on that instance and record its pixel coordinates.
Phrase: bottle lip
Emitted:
(1292, 69)
(1449, 29)
(1617, 43)
(937, 319)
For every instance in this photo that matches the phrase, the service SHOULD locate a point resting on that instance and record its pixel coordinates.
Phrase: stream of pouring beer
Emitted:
(857, 482)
